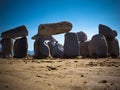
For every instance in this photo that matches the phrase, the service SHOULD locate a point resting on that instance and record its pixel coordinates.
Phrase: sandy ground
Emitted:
(60, 74)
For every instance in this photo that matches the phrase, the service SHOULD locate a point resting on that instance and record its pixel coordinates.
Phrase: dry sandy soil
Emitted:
(60, 74)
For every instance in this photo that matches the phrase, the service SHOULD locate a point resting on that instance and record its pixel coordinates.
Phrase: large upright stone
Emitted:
(71, 45)
(50, 38)
(54, 28)
(107, 32)
(84, 49)
(20, 47)
(56, 49)
(16, 32)
(7, 45)
(98, 46)
(82, 36)
(41, 49)
(113, 48)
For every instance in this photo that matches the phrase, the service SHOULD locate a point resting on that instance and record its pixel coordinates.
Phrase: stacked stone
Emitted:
(45, 32)
(83, 43)
(20, 46)
(112, 42)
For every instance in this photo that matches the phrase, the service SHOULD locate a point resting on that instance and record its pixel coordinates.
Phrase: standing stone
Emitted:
(71, 45)
(82, 36)
(56, 49)
(113, 48)
(107, 32)
(98, 46)
(84, 50)
(20, 48)
(54, 28)
(16, 32)
(7, 45)
(41, 48)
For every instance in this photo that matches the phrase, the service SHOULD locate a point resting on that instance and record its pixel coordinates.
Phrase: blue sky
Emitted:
(85, 15)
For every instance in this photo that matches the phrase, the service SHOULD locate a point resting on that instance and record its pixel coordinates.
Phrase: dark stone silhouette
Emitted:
(20, 48)
(56, 49)
(107, 32)
(98, 46)
(82, 36)
(113, 48)
(16, 32)
(84, 50)
(71, 45)
(41, 49)
(54, 28)
(7, 45)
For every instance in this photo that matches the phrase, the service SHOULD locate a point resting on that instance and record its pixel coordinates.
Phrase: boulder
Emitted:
(56, 49)
(84, 50)
(113, 48)
(82, 36)
(50, 38)
(107, 32)
(16, 32)
(7, 45)
(20, 48)
(41, 49)
(98, 46)
(54, 28)
(71, 45)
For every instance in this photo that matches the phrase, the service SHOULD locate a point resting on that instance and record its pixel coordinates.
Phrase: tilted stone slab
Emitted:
(84, 49)
(20, 48)
(98, 46)
(71, 45)
(113, 48)
(41, 49)
(82, 36)
(50, 38)
(15, 32)
(7, 45)
(107, 31)
(54, 28)
(56, 49)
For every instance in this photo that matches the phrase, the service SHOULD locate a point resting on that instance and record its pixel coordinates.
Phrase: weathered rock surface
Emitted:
(7, 45)
(84, 49)
(113, 48)
(50, 38)
(16, 32)
(71, 45)
(54, 28)
(98, 46)
(56, 49)
(20, 48)
(107, 32)
(82, 36)
(41, 49)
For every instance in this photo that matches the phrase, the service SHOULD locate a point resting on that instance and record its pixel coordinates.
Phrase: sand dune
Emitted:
(60, 74)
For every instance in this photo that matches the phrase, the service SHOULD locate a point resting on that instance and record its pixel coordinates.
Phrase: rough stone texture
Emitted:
(50, 38)
(54, 28)
(71, 45)
(20, 48)
(56, 49)
(7, 45)
(41, 49)
(107, 32)
(98, 46)
(113, 48)
(16, 32)
(84, 50)
(82, 36)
